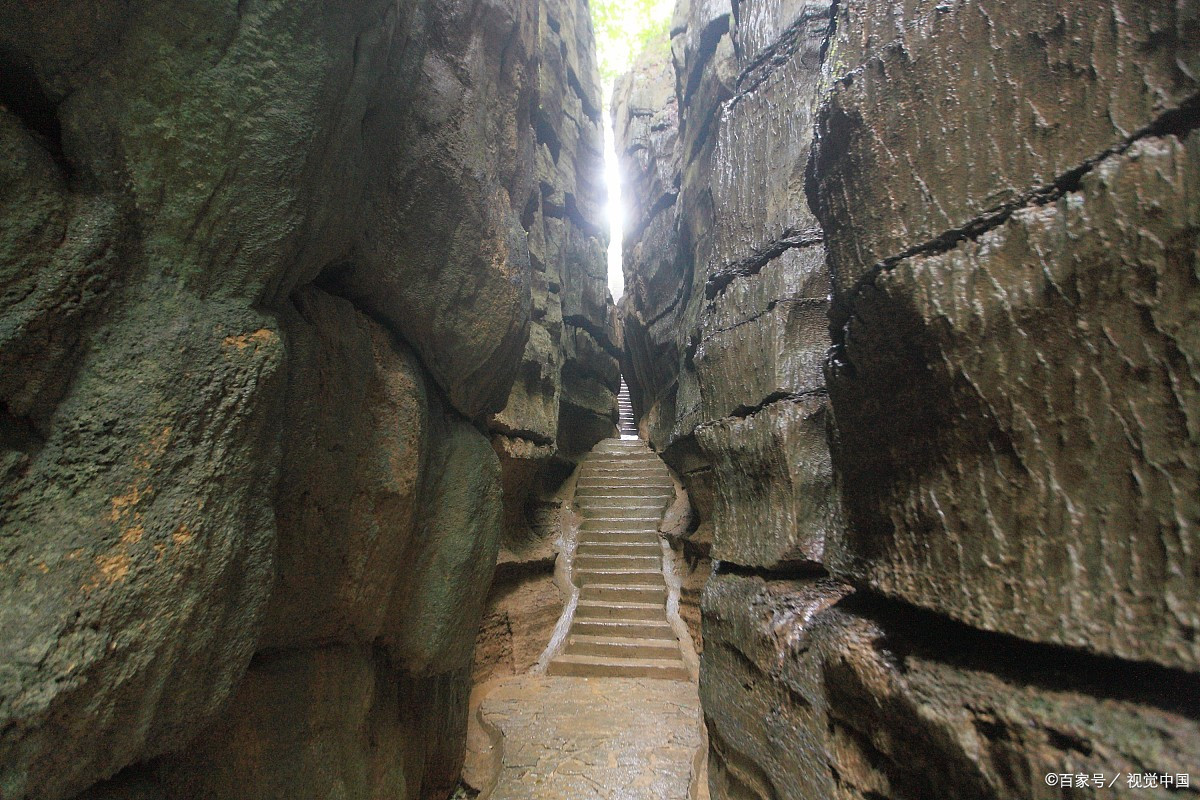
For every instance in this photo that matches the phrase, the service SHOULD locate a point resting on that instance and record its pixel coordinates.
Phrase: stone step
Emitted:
(581, 666)
(619, 577)
(647, 482)
(619, 471)
(618, 537)
(643, 549)
(609, 609)
(623, 500)
(648, 492)
(634, 561)
(621, 647)
(616, 593)
(595, 470)
(632, 506)
(621, 446)
(632, 628)
(614, 523)
(617, 460)
(591, 512)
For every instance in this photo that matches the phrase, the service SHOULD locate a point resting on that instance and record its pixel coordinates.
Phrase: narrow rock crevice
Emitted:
(784, 570)
(746, 411)
(22, 94)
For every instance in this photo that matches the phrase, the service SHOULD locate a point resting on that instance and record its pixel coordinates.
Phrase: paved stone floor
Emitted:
(562, 738)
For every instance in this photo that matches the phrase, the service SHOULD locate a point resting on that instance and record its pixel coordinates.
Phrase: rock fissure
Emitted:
(934, 636)
(1176, 122)
(753, 264)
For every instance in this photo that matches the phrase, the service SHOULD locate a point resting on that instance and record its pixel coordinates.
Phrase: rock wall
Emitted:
(913, 291)
(303, 312)
(564, 399)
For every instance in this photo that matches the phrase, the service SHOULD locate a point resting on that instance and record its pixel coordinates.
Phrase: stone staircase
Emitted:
(627, 425)
(620, 627)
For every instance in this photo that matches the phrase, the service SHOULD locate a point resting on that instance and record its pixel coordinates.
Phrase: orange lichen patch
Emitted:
(153, 448)
(132, 535)
(158, 442)
(241, 341)
(122, 504)
(182, 535)
(113, 567)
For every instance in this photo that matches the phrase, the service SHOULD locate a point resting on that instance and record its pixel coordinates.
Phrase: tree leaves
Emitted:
(624, 28)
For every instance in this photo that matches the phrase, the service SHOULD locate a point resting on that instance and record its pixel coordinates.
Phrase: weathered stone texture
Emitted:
(1039, 443)
(984, 542)
(1018, 289)
(331, 722)
(773, 484)
(925, 129)
(776, 320)
(808, 692)
(762, 146)
(266, 269)
(357, 409)
(134, 575)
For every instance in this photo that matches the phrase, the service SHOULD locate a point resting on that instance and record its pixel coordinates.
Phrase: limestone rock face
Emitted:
(917, 331)
(358, 409)
(1058, 86)
(564, 398)
(268, 272)
(1076, 445)
(1026, 320)
(774, 499)
(813, 693)
(377, 731)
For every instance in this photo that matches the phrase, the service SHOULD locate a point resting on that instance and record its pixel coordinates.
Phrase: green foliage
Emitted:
(624, 28)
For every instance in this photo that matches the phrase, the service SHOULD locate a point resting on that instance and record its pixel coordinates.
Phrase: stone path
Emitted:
(627, 425)
(617, 717)
(580, 738)
(620, 627)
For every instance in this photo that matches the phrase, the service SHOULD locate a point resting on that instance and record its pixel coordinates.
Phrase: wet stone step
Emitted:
(605, 609)
(614, 524)
(622, 647)
(602, 667)
(641, 549)
(633, 628)
(657, 493)
(619, 577)
(620, 538)
(656, 595)
(611, 561)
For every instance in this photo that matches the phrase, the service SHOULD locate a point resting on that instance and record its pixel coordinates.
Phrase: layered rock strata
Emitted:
(302, 303)
(958, 553)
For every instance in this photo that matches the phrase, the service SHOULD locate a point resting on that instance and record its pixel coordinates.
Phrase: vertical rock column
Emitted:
(564, 398)
(726, 329)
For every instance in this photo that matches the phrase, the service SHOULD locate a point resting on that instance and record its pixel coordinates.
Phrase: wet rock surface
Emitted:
(303, 320)
(1044, 453)
(824, 694)
(557, 737)
(952, 509)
